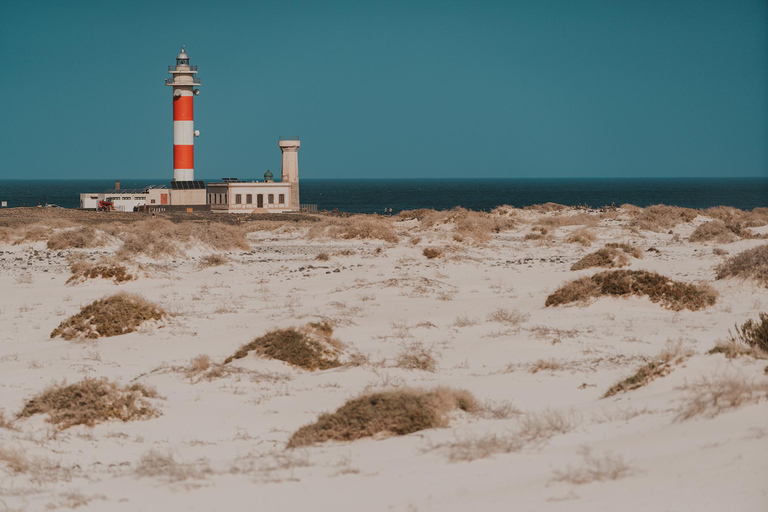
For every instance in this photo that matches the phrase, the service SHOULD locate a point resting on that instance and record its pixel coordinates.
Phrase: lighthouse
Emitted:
(183, 81)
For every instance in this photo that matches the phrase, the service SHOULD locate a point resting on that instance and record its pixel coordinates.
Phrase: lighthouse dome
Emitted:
(183, 55)
(268, 176)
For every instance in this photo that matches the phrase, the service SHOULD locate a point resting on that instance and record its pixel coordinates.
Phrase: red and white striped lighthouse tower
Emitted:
(184, 133)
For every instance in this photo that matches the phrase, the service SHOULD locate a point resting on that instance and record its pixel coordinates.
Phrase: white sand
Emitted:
(237, 426)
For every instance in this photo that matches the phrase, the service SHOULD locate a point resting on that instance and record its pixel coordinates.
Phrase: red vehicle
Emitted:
(106, 206)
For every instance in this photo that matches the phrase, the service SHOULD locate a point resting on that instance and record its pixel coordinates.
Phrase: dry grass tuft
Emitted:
(91, 401)
(464, 225)
(717, 231)
(432, 252)
(582, 236)
(671, 294)
(5, 423)
(119, 314)
(551, 365)
(661, 217)
(749, 264)
(362, 227)
(661, 365)
(310, 347)
(213, 260)
(398, 412)
(710, 397)
(84, 237)
(594, 469)
(416, 356)
(510, 317)
(323, 256)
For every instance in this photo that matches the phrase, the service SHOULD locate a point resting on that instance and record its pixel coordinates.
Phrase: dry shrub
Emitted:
(213, 260)
(119, 314)
(83, 270)
(5, 423)
(661, 365)
(581, 236)
(198, 365)
(749, 264)
(416, 356)
(546, 207)
(160, 237)
(753, 334)
(710, 397)
(323, 256)
(661, 217)
(79, 238)
(732, 349)
(733, 216)
(673, 295)
(607, 257)
(432, 252)
(15, 461)
(310, 347)
(594, 469)
(91, 401)
(511, 317)
(363, 227)
(397, 412)
(720, 232)
(576, 219)
(551, 365)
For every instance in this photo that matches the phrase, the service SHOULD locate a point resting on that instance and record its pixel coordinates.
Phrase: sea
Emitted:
(374, 195)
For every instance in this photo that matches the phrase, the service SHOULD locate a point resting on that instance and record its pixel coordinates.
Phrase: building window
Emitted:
(152, 201)
(249, 199)
(238, 199)
(281, 198)
(271, 198)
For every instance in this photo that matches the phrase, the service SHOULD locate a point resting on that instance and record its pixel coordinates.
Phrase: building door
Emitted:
(260, 201)
(163, 198)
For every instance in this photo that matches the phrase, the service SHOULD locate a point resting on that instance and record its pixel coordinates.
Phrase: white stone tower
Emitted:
(290, 168)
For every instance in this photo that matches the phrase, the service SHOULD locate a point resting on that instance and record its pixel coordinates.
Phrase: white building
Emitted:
(125, 200)
(239, 196)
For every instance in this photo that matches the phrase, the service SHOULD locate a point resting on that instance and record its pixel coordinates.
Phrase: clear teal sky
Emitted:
(539, 88)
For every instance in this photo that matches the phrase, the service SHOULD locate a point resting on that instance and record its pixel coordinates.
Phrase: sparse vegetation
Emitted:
(671, 294)
(594, 469)
(91, 401)
(660, 366)
(432, 252)
(711, 396)
(533, 429)
(323, 256)
(417, 356)
(119, 314)
(164, 465)
(398, 412)
(749, 264)
(310, 347)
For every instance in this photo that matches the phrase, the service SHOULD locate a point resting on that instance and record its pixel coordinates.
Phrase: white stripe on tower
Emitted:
(183, 134)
